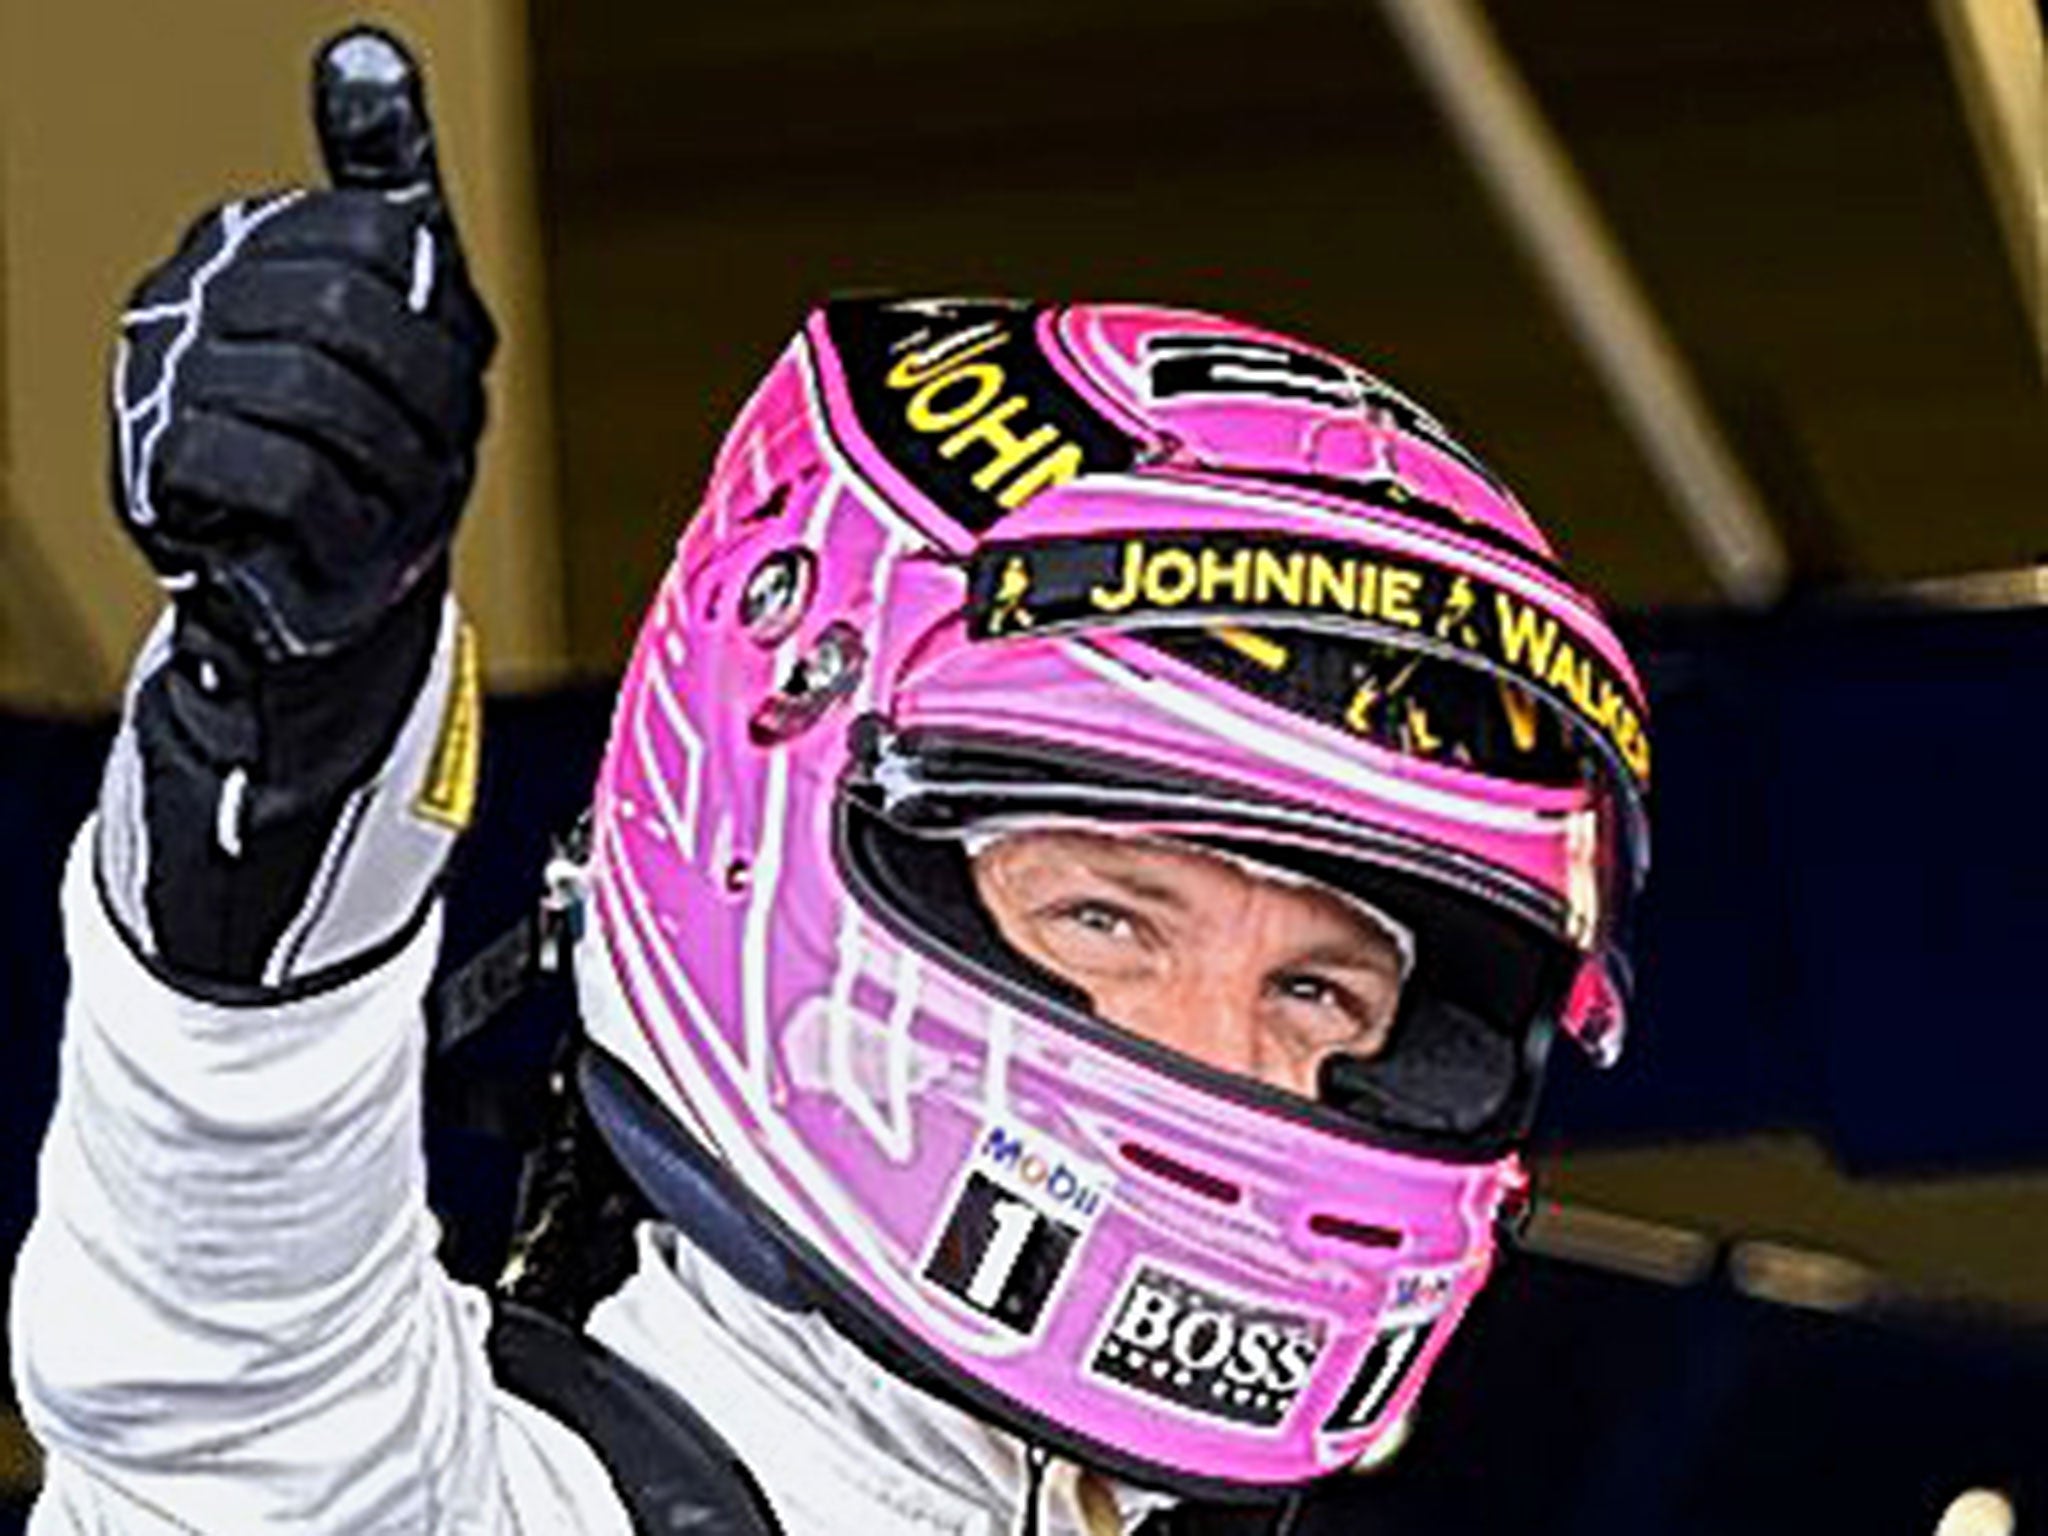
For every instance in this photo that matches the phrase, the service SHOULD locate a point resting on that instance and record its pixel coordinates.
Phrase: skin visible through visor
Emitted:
(1255, 976)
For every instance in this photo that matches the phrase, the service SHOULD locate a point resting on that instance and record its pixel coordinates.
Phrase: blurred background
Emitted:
(1745, 299)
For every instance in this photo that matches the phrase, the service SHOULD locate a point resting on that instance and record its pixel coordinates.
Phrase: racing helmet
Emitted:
(966, 566)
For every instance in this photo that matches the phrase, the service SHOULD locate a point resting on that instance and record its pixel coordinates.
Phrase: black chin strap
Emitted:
(687, 1187)
(1030, 1514)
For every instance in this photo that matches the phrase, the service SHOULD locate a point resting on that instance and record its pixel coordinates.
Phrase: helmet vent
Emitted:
(1174, 1171)
(829, 672)
(771, 507)
(1364, 1233)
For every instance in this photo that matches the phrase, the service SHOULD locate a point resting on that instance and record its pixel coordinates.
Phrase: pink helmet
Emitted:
(966, 565)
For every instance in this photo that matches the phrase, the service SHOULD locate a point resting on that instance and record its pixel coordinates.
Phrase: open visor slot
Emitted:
(1461, 1070)
(940, 783)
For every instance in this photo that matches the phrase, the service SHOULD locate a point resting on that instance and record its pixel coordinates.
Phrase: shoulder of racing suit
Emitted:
(672, 1470)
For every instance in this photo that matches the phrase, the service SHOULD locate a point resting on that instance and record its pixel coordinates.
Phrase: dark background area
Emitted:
(1793, 183)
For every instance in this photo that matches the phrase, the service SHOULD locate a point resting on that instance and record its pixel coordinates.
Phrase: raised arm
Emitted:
(228, 1316)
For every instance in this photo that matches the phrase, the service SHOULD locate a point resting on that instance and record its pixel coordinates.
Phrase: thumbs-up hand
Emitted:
(298, 391)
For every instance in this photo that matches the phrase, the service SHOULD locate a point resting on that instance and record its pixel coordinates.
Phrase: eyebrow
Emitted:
(1360, 954)
(1131, 883)
(1371, 950)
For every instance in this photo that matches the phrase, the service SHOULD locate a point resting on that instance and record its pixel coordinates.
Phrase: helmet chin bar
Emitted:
(695, 1188)
(688, 1187)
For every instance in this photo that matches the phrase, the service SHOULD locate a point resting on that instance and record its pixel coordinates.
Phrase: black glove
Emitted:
(299, 390)
(297, 400)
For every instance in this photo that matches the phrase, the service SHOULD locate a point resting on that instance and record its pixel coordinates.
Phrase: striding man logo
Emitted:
(1007, 613)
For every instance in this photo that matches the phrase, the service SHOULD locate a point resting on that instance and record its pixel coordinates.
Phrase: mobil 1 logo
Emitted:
(1206, 1353)
(1416, 1303)
(1021, 1208)
(1387, 1364)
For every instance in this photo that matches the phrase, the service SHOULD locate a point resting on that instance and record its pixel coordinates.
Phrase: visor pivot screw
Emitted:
(777, 594)
(828, 673)
(833, 663)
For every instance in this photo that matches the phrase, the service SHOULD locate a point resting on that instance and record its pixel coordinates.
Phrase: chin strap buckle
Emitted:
(519, 960)
(559, 924)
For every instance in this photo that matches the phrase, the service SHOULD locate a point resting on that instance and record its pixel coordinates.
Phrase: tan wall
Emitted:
(119, 121)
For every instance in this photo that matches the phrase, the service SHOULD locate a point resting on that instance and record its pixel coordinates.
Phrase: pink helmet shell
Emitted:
(972, 522)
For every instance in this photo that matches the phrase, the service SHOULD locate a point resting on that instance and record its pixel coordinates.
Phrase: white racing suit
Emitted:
(229, 1317)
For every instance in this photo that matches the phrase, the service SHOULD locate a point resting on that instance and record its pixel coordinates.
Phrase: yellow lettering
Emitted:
(1634, 744)
(1420, 737)
(1358, 714)
(1526, 636)
(1008, 611)
(1170, 578)
(1522, 711)
(1332, 583)
(944, 355)
(1368, 587)
(1217, 573)
(1572, 673)
(984, 381)
(1055, 468)
(448, 797)
(1104, 599)
(1397, 597)
(1250, 644)
(1457, 604)
(992, 430)
(1277, 575)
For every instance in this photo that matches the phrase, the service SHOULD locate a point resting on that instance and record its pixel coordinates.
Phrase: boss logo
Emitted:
(1210, 1354)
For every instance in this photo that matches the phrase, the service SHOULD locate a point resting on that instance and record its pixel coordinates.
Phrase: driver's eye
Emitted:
(1309, 989)
(1339, 1004)
(1098, 917)
(1095, 940)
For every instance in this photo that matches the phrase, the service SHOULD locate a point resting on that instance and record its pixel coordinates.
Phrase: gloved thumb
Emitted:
(370, 110)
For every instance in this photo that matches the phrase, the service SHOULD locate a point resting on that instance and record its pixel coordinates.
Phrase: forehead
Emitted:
(1173, 872)
(1052, 848)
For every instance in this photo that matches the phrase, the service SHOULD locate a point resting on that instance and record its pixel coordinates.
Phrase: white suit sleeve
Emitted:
(228, 1310)
(228, 1315)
